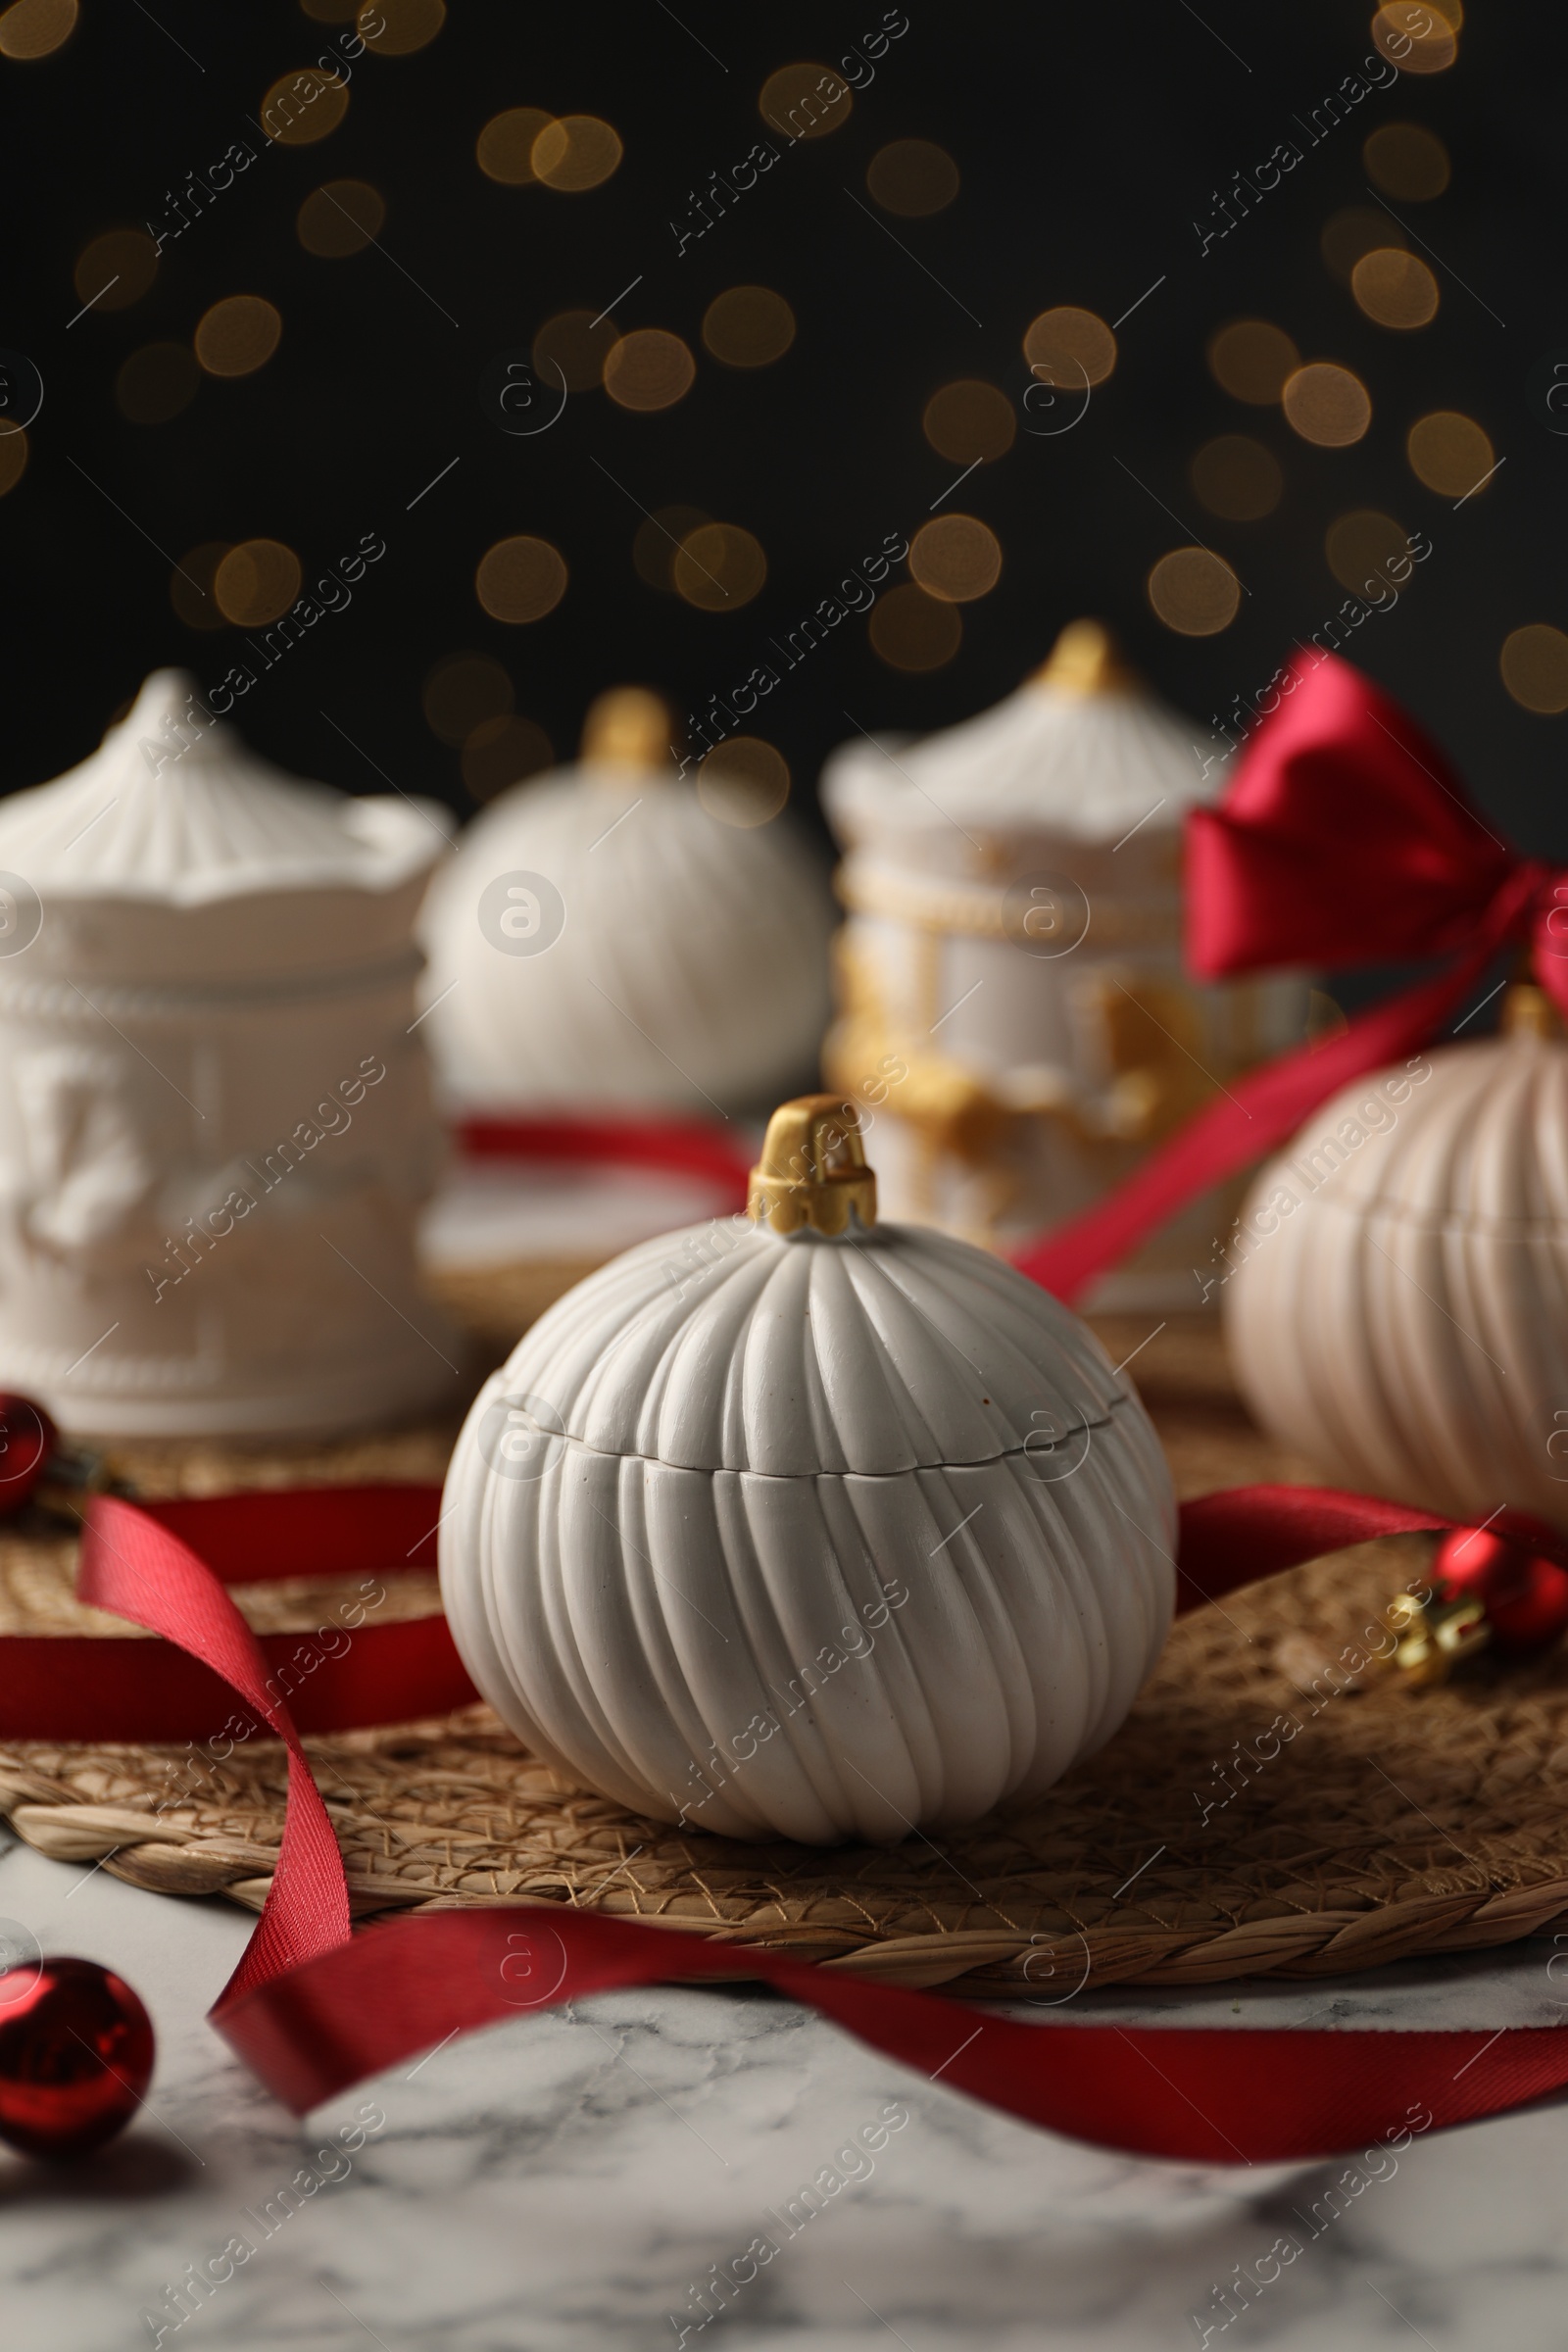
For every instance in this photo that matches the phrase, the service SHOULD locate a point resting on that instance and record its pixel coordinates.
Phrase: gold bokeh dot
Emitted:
(502, 751)
(1364, 545)
(463, 692)
(744, 782)
(805, 101)
(301, 108)
(192, 585)
(1417, 35)
(576, 153)
(1194, 592)
(505, 146)
(749, 326)
(658, 543)
(1349, 235)
(1237, 477)
(397, 27)
(1396, 289)
(1066, 346)
(648, 370)
(116, 270)
(969, 421)
(1407, 161)
(1327, 404)
(256, 581)
(340, 217)
(521, 579)
(156, 383)
(237, 335)
(1535, 668)
(1449, 452)
(911, 631)
(718, 567)
(955, 557)
(573, 347)
(912, 177)
(1251, 360)
(13, 455)
(36, 28)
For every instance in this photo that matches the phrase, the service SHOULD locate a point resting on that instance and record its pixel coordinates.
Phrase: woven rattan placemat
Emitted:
(1262, 1811)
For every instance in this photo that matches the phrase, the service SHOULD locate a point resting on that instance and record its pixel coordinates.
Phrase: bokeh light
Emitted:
(1365, 545)
(505, 146)
(911, 631)
(1253, 360)
(749, 326)
(744, 781)
(521, 579)
(156, 383)
(237, 335)
(648, 370)
(1417, 35)
(36, 28)
(805, 102)
(116, 270)
(1449, 452)
(969, 421)
(303, 107)
(341, 217)
(397, 27)
(1326, 404)
(256, 581)
(193, 585)
(574, 153)
(573, 347)
(1065, 346)
(1237, 477)
(503, 751)
(464, 691)
(718, 567)
(1396, 289)
(1349, 235)
(658, 541)
(1194, 592)
(911, 177)
(13, 455)
(1407, 161)
(955, 557)
(1535, 668)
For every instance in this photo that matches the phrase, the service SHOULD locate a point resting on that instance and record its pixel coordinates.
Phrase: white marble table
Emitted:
(570, 2179)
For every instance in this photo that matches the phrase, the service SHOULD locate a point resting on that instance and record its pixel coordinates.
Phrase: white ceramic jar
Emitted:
(1014, 1001)
(214, 1118)
(806, 1525)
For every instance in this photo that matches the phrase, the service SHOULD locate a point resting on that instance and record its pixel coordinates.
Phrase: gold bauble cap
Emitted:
(1085, 660)
(812, 1170)
(627, 727)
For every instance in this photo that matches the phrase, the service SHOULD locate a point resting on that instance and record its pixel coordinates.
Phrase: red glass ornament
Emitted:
(27, 1437)
(76, 2056)
(1524, 1594)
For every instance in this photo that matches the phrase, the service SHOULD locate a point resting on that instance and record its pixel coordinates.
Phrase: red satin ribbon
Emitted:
(1343, 838)
(312, 2012)
(682, 1147)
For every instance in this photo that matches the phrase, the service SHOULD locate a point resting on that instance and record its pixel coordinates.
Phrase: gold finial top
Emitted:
(812, 1170)
(1528, 1012)
(627, 727)
(1084, 660)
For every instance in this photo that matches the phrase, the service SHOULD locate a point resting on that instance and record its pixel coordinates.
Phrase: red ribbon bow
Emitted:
(1343, 838)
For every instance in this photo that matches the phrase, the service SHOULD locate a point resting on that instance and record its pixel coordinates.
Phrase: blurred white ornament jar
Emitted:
(809, 1526)
(610, 936)
(1015, 1010)
(215, 1125)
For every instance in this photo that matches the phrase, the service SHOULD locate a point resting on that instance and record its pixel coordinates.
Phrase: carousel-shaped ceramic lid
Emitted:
(603, 936)
(1082, 750)
(175, 853)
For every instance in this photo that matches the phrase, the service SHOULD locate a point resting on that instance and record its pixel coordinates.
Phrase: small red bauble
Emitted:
(1524, 1594)
(27, 1437)
(76, 2056)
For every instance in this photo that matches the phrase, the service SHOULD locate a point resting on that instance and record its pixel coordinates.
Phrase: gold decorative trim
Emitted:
(870, 890)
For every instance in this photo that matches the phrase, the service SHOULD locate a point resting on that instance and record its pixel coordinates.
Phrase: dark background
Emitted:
(1088, 140)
